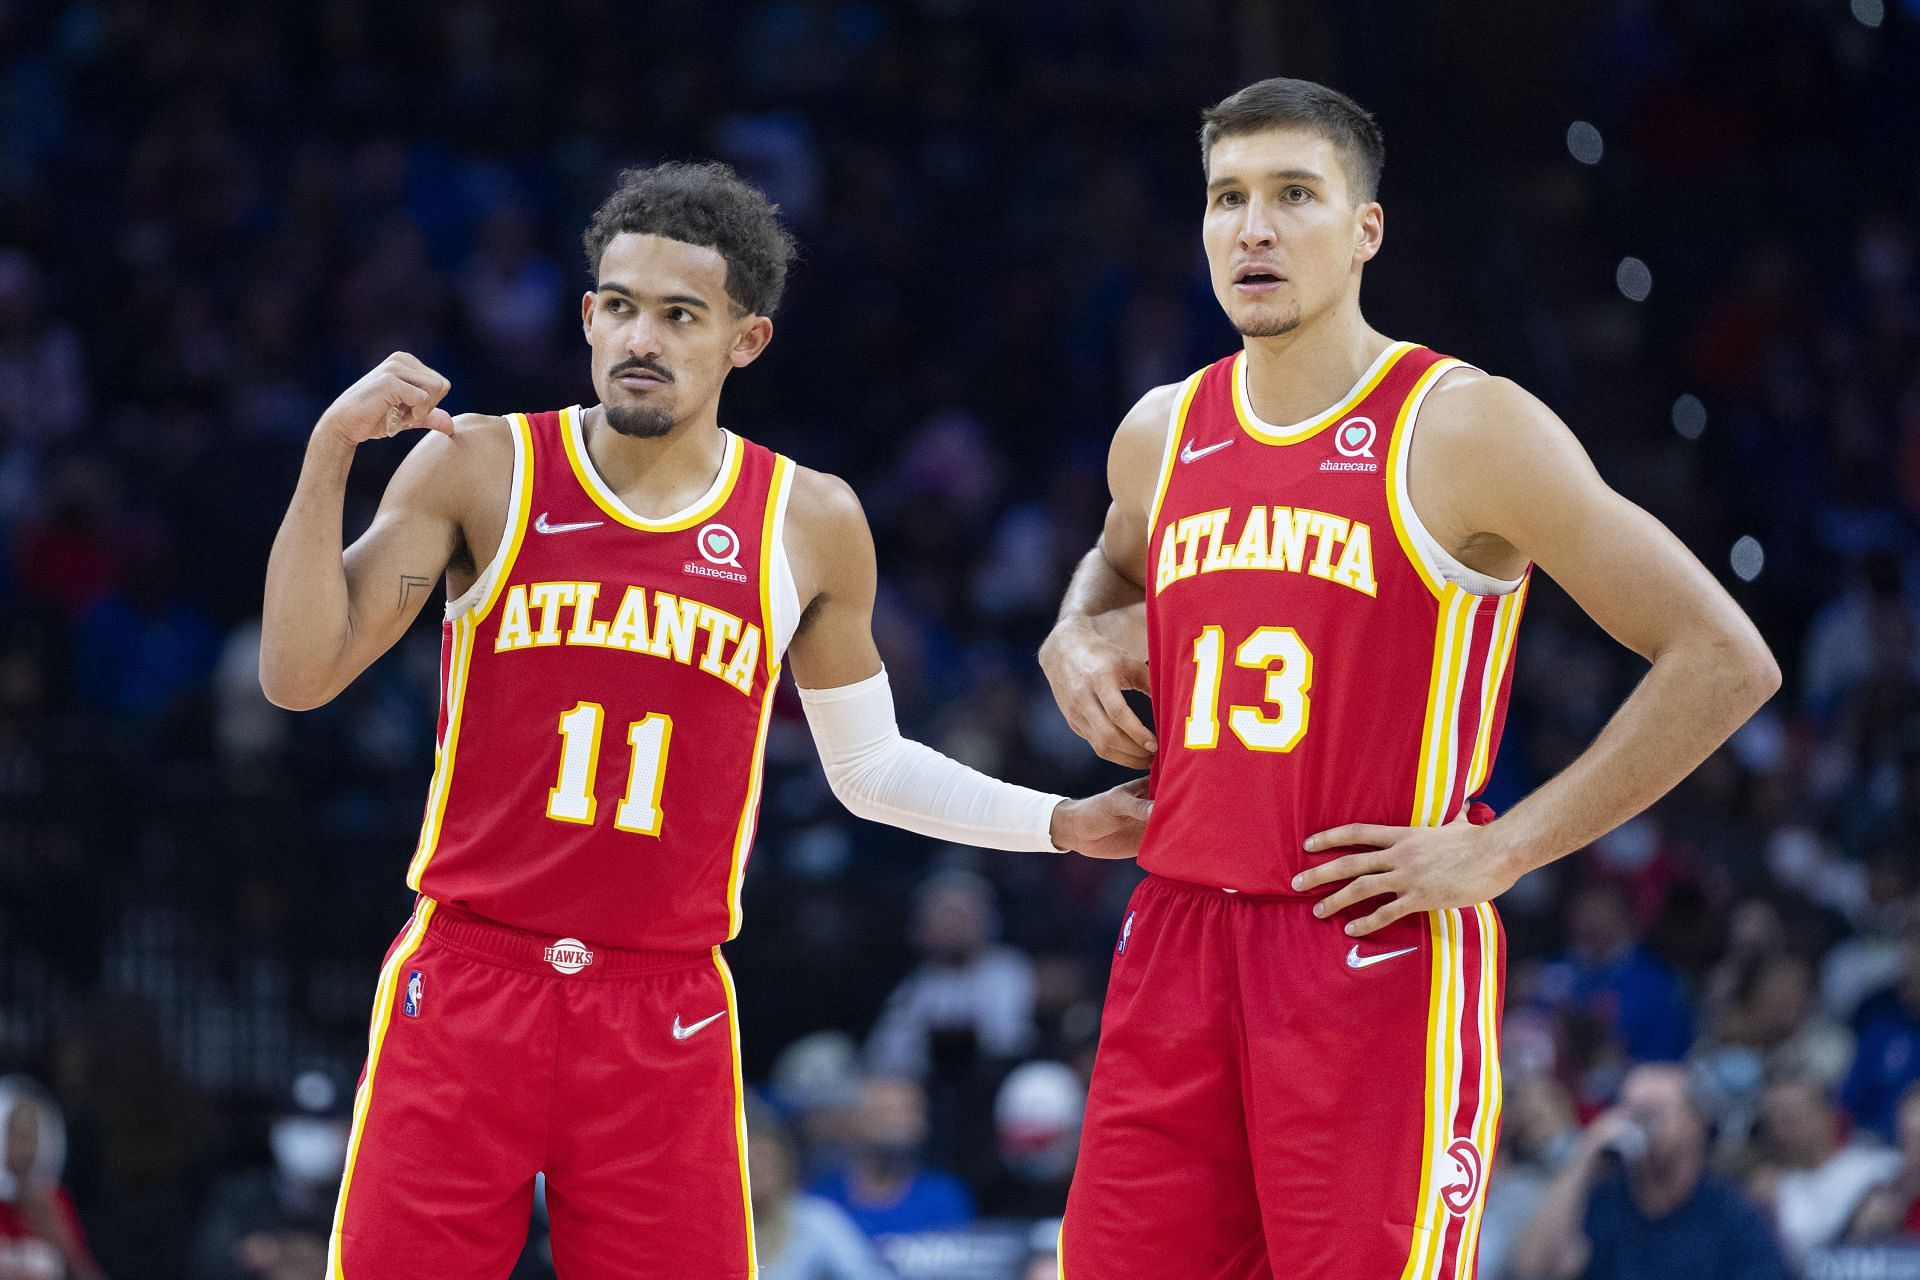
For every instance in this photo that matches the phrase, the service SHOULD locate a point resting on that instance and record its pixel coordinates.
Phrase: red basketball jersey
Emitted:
(1313, 660)
(604, 701)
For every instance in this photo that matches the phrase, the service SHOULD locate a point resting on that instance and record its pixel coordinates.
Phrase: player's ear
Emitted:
(1369, 229)
(586, 314)
(754, 335)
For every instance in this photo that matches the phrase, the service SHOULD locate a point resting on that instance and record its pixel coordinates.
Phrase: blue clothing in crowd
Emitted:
(931, 1202)
(1886, 1059)
(1714, 1235)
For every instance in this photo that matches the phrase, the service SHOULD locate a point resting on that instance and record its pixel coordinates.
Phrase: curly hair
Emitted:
(708, 204)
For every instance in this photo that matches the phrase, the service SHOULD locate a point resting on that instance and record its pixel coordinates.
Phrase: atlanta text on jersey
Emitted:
(673, 631)
(1268, 538)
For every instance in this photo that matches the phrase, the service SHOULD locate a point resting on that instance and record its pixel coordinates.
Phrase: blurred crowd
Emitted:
(215, 215)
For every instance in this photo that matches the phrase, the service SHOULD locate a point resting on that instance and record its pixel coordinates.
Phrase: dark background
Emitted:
(215, 216)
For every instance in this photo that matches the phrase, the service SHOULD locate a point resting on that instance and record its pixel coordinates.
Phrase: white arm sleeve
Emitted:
(884, 777)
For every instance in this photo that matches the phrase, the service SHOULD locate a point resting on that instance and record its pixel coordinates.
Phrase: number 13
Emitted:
(1286, 689)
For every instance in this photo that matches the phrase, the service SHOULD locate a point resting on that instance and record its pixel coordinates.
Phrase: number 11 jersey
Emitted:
(1316, 657)
(605, 691)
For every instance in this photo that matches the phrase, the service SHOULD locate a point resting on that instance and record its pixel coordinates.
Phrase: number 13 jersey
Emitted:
(1316, 657)
(605, 691)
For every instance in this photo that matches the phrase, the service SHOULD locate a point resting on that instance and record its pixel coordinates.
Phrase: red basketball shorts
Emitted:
(497, 1054)
(1274, 1099)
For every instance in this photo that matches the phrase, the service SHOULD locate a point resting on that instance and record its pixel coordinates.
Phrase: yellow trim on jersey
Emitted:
(458, 665)
(459, 661)
(384, 993)
(1442, 1092)
(776, 497)
(573, 435)
(517, 515)
(739, 1107)
(1399, 449)
(1486, 1119)
(744, 833)
(1266, 433)
(1446, 688)
(1506, 625)
(1176, 431)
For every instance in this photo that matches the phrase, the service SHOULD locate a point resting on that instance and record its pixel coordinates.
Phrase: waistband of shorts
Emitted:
(511, 948)
(1192, 888)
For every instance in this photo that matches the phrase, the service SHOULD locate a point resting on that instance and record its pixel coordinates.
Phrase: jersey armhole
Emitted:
(784, 605)
(1435, 561)
(518, 492)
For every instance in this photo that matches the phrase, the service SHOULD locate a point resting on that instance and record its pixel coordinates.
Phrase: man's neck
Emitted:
(1658, 1192)
(1297, 375)
(655, 475)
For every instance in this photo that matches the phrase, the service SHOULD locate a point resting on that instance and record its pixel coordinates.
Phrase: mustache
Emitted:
(638, 365)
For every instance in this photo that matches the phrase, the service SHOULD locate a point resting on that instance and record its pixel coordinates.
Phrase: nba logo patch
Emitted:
(416, 988)
(1126, 932)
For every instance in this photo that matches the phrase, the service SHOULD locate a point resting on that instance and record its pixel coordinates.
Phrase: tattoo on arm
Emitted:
(409, 584)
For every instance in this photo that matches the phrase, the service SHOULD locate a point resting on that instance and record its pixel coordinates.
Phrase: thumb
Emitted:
(440, 420)
(1134, 671)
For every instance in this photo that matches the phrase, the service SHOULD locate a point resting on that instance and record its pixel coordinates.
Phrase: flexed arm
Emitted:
(330, 611)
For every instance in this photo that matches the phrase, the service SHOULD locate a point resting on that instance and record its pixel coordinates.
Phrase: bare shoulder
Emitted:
(1476, 412)
(1145, 427)
(822, 504)
(829, 545)
(1133, 461)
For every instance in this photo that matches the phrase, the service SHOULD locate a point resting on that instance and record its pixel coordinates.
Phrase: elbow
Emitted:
(1754, 672)
(288, 690)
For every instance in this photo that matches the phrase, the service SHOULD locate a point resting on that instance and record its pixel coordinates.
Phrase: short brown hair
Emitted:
(705, 204)
(1281, 103)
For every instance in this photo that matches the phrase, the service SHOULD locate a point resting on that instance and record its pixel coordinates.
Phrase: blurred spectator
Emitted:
(1037, 1125)
(968, 1001)
(1771, 1028)
(1887, 1054)
(144, 648)
(1814, 1172)
(1537, 1135)
(1608, 973)
(43, 383)
(816, 1082)
(1635, 1201)
(886, 1189)
(40, 1235)
(798, 1236)
(259, 1217)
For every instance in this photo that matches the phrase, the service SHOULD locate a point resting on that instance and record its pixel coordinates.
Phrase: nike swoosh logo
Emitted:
(1357, 961)
(682, 1033)
(1190, 454)
(541, 525)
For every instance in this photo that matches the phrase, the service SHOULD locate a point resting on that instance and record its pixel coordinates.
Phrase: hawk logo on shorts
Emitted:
(569, 955)
(1462, 1186)
(416, 989)
(1126, 931)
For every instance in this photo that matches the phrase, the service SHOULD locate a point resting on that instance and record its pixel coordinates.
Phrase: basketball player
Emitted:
(624, 584)
(1333, 533)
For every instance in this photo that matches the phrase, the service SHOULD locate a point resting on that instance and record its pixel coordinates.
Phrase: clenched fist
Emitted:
(395, 395)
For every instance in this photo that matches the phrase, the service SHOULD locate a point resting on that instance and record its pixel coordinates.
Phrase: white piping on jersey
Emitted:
(785, 602)
(473, 595)
(1440, 562)
(1245, 394)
